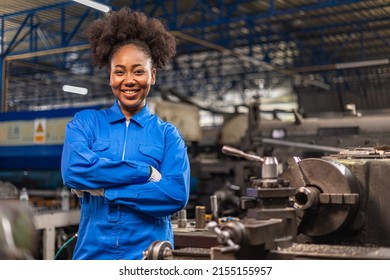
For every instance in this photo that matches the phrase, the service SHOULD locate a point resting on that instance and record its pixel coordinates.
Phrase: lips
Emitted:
(130, 92)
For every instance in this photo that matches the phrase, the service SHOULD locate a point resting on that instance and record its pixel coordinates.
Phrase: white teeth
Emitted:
(129, 91)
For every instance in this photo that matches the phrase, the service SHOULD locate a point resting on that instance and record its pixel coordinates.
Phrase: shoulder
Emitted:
(167, 128)
(162, 124)
(90, 115)
(89, 119)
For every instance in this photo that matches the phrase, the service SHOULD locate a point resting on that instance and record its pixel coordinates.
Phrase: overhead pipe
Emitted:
(47, 52)
(345, 65)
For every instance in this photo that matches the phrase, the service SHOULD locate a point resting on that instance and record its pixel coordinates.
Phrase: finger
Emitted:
(77, 192)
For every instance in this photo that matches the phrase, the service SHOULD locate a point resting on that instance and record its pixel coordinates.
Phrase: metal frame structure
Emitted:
(224, 45)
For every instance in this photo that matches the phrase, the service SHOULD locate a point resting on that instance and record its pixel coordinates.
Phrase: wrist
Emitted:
(154, 175)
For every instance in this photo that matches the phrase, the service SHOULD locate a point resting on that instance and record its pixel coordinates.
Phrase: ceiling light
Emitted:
(73, 89)
(95, 5)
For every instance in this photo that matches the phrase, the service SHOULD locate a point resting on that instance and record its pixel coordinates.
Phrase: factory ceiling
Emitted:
(321, 46)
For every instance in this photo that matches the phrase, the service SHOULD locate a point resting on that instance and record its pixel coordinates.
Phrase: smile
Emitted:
(130, 92)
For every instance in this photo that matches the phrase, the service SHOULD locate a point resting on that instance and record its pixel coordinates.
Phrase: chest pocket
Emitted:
(101, 147)
(153, 153)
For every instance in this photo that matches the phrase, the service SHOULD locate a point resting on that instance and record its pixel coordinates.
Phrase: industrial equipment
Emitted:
(306, 137)
(18, 237)
(333, 207)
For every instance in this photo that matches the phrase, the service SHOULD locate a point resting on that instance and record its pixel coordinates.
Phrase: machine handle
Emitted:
(238, 153)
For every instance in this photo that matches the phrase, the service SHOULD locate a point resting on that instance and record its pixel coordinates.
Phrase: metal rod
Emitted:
(238, 153)
(300, 145)
(214, 206)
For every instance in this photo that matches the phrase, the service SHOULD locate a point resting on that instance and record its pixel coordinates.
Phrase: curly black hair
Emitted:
(124, 26)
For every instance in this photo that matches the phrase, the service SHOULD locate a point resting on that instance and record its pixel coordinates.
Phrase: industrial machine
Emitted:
(314, 136)
(18, 237)
(333, 207)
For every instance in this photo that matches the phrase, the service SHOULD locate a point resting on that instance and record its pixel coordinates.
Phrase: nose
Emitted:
(129, 80)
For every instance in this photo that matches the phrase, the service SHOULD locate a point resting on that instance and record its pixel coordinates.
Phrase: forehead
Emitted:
(130, 54)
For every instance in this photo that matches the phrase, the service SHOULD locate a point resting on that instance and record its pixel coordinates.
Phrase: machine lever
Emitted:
(223, 238)
(238, 153)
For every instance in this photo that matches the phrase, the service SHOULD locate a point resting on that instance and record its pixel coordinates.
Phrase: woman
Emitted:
(129, 168)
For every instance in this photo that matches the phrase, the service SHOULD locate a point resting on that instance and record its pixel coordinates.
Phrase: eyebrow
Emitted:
(123, 66)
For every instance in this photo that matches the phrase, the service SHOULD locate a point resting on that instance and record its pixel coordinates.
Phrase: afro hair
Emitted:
(124, 26)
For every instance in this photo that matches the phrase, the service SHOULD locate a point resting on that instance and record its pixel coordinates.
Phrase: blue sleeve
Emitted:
(83, 169)
(167, 196)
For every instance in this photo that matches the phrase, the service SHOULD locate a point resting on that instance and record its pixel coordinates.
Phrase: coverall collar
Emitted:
(115, 114)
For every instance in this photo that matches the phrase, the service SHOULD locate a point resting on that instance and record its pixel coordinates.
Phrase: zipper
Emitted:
(124, 145)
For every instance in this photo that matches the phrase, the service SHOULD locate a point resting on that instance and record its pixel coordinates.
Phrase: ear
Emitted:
(153, 76)
(109, 74)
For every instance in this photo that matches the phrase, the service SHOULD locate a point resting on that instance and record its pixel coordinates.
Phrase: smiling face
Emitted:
(131, 77)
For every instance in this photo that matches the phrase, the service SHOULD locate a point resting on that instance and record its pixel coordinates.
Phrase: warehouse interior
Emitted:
(283, 105)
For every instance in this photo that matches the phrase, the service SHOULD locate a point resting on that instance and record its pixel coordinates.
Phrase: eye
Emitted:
(119, 72)
(139, 72)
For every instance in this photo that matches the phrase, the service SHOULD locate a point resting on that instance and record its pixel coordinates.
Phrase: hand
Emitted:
(155, 176)
(77, 192)
(80, 193)
(98, 192)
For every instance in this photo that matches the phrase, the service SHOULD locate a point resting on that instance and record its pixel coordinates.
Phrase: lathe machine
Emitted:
(335, 207)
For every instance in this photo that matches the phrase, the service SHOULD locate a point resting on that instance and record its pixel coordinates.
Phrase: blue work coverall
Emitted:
(101, 151)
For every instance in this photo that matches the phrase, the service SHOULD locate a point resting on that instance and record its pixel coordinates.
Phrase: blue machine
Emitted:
(30, 164)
